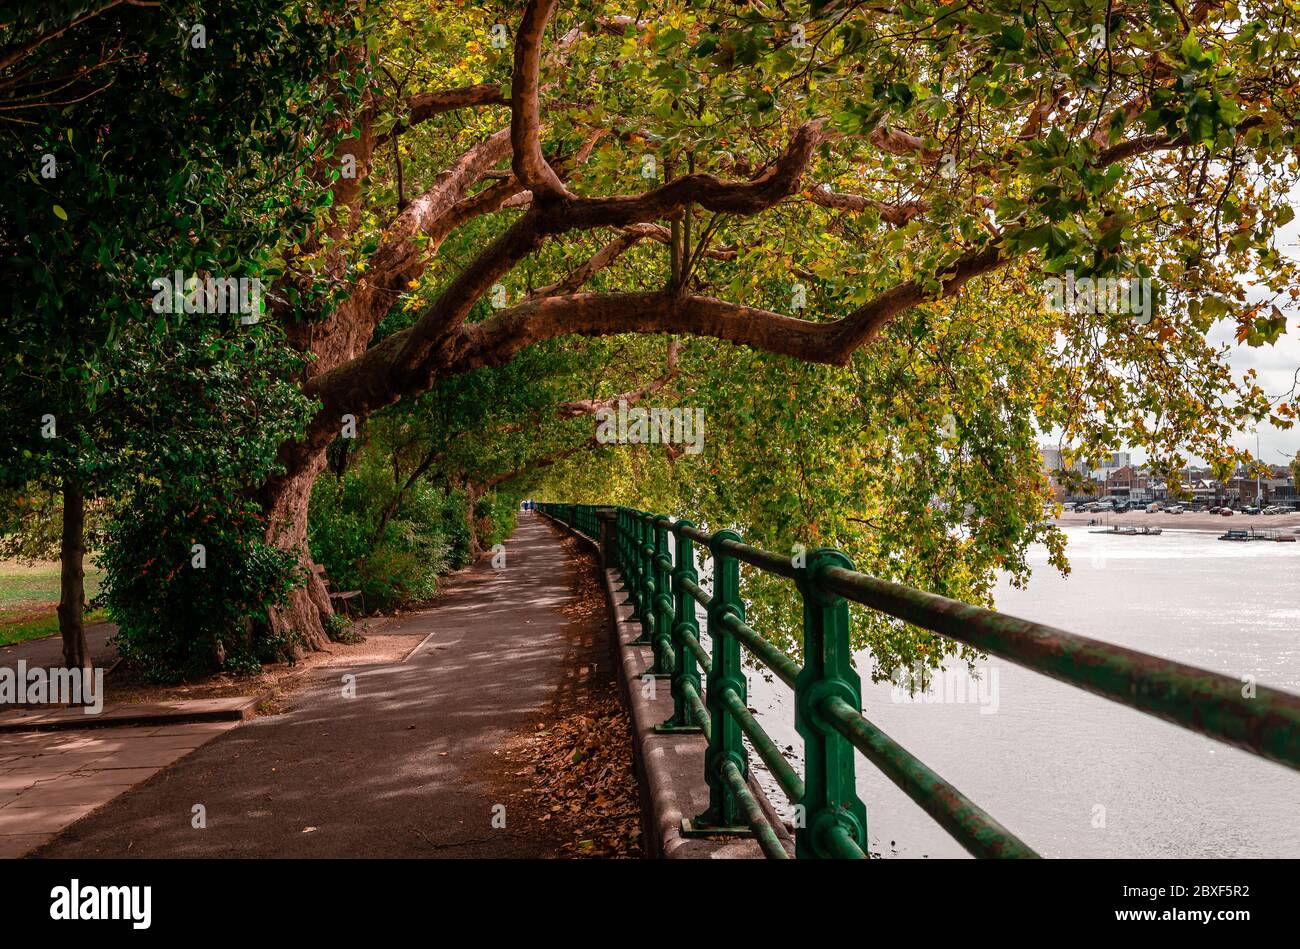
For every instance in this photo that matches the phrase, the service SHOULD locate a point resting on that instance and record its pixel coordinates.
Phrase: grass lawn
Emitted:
(29, 594)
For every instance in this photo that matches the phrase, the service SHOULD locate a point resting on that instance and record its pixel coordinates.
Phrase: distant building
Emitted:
(1270, 490)
(1128, 483)
(1053, 464)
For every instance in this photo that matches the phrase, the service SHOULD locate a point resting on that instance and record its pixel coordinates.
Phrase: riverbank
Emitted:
(1286, 523)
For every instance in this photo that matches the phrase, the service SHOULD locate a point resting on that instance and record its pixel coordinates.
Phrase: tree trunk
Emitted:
(309, 605)
(472, 494)
(72, 577)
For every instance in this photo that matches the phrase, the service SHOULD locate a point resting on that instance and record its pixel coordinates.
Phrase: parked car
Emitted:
(1154, 507)
(1121, 507)
(1226, 512)
(1175, 509)
(1250, 510)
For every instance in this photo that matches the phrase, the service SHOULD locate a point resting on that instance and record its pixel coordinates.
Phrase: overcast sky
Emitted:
(1276, 365)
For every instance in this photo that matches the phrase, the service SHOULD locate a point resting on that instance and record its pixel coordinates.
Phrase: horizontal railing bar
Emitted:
(693, 588)
(1268, 724)
(843, 845)
(782, 770)
(694, 533)
(698, 708)
(701, 654)
(763, 559)
(785, 668)
(758, 823)
(953, 811)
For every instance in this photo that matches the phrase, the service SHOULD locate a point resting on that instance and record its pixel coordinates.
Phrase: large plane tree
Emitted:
(806, 172)
(826, 183)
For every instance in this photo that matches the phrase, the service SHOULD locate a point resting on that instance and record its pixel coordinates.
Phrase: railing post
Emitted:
(633, 557)
(830, 805)
(646, 578)
(620, 547)
(663, 601)
(726, 740)
(686, 672)
(606, 525)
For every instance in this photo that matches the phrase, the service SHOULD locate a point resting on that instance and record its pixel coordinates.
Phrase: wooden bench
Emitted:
(341, 600)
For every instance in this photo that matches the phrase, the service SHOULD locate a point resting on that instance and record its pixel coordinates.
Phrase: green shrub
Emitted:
(339, 628)
(402, 568)
(496, 514)
(198, 420)
(456, 529)
(177, 620)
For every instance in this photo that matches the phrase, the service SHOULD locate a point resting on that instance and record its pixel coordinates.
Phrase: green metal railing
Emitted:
(831, 821)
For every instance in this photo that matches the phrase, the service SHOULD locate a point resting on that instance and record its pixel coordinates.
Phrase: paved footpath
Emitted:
(47, 652)
(403, 769)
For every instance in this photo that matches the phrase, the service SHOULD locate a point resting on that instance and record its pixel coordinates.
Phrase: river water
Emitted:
(1074, 775)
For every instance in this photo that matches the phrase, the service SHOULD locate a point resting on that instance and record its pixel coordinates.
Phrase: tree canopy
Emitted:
(830, 225)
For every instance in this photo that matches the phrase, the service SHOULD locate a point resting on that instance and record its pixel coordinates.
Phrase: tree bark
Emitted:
(72, 577)
(472, 494)
(303, 617)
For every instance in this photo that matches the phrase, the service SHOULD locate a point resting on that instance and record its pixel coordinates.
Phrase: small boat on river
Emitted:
(1129, 530)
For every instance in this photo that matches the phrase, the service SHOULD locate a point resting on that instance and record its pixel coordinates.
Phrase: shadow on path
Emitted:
(404, 769)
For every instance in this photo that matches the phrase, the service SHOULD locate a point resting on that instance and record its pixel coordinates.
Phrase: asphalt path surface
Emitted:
(406, 768)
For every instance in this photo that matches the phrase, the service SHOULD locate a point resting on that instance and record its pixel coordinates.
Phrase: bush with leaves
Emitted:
(393, 566)
(183, 612)
(494, 517)
(189, 577)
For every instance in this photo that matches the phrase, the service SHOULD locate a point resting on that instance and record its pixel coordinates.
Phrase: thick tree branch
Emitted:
(529, 163)
(424, 106)
(896, 215)
(498, 339)
(401, 256)
(431, 214)
(779, 181)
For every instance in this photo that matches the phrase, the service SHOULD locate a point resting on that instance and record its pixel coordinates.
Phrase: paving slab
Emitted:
(17, 781)
(15, 845)
(58, 778)
(61, 794)
(39, 819)
(235, 708)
